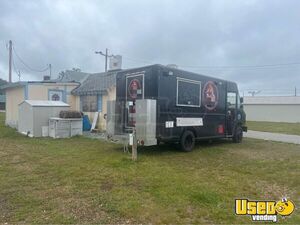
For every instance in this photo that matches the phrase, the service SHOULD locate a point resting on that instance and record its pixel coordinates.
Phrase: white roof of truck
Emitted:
(46, 103)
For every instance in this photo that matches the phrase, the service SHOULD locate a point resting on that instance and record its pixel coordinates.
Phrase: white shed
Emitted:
(35, 114)
(273, 108)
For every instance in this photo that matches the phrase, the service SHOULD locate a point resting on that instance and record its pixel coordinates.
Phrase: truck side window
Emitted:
(238, 102)
(188, 93)
(231, 100)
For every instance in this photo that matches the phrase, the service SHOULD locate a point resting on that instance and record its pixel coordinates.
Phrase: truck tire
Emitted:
(238, 135)
(187, 141)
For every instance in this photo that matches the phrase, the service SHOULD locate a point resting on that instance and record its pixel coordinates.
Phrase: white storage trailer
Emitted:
(35, 114)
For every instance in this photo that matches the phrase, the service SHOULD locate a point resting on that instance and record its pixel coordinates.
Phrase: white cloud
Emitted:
(66, 34)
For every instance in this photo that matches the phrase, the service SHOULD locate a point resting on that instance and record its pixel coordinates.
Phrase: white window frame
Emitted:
(236, 99)
(179, 79)
(81, 103)
(59, 92)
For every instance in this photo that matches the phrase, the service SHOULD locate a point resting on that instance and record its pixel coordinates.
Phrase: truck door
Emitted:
(231, 111)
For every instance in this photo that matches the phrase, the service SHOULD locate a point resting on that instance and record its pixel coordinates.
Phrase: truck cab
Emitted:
(235, 115)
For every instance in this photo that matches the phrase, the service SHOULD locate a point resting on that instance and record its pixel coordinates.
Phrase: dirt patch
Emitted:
(22, 165)
(106, 185)
(274, 191)
(133, 184)
(269, 153)
(4, 209)
(83, 211)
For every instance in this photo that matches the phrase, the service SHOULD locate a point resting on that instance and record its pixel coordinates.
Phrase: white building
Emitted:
(273, 108)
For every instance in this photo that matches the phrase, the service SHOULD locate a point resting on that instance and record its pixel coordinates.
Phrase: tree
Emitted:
(2, 82)
(76, 69)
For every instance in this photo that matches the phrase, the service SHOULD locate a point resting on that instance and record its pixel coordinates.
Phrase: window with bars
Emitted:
(91, 103)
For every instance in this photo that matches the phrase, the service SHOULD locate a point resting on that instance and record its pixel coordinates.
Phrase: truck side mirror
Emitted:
(241, 102)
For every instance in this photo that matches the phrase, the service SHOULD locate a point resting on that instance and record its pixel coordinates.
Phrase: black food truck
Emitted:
(165, 104)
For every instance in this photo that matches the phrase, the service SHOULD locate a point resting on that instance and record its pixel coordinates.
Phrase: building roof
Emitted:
(71, 76)
(96, 83)
(24, 83)
(272, 100)
(45, 103)
(13, 85)
(2, 98)
(2, 83)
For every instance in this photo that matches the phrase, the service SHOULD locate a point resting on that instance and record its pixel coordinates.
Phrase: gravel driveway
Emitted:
(288, 138)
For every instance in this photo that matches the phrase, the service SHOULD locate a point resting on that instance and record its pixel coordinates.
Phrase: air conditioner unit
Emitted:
(115, 62)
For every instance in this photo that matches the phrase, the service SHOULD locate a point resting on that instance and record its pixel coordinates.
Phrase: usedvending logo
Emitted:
(264, 210)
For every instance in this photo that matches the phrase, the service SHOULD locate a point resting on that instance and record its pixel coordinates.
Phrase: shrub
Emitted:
(70, 114)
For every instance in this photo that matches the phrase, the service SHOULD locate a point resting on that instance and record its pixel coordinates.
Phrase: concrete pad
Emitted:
(287, 138)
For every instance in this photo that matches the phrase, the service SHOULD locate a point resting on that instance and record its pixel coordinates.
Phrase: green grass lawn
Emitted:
(81, 180)
(275, 127)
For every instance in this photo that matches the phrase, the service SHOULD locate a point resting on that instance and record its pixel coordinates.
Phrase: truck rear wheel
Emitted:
(238, 135)
(187, 141)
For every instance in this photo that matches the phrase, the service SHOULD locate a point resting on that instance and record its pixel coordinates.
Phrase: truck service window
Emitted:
(188, 93)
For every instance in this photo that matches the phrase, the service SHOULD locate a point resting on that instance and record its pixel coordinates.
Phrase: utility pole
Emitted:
(10, 61)
(134, 146)
(106, 57)
(295, 91)
(19, 75)
(50, 70)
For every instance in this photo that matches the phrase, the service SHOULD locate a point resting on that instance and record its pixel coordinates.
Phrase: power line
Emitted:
(9, 61)
(105, 55)
(26, 65)
(241, 69)
(218, 67)
(247, 66)
(16, 69)
(137, 60)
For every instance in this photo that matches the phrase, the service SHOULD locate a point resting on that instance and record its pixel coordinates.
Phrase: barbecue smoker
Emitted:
(166, 104)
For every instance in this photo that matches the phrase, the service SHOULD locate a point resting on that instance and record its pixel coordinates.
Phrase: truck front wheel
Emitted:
(187, 141)
(238, 135)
